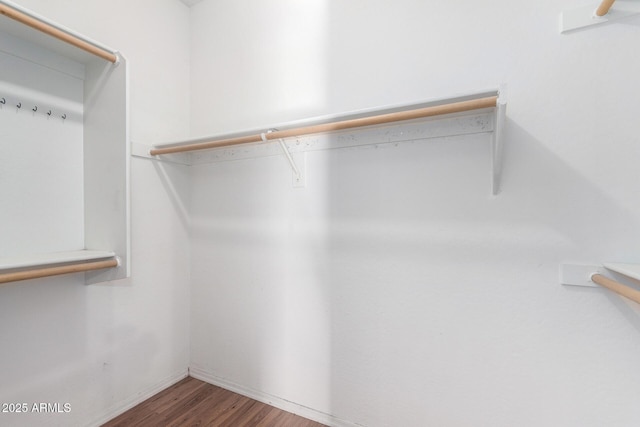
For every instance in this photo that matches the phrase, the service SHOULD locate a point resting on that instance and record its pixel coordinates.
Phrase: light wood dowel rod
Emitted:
(436, 110)
(619, 288)
(55, 32)
(55, 271)
(604, 7)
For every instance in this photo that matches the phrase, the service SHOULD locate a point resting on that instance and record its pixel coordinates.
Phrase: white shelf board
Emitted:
(430, 128)
(41, 260)
(31, 35)
(629, 270)
(489, 120)
(343, 116)
(468, 122)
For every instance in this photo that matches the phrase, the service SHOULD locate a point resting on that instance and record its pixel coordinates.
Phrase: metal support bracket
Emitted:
(299, 173)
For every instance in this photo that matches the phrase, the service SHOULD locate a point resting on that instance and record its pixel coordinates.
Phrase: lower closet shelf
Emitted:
(53, 264)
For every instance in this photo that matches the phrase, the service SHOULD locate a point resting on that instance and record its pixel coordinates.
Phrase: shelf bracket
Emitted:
(580, 274)
(299, 177)
(585, 16)
(500, 117)
(596, 276)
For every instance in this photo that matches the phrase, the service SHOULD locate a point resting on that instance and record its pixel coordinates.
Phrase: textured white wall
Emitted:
(394, 290)
(101, 347)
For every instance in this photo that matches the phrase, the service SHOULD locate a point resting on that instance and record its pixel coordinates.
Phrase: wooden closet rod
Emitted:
(435, 110)
(618, 288)
(55, 271)
(52, 31)
(604, 7)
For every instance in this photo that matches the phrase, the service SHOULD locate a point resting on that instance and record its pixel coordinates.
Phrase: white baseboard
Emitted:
(132, 401)
(278, 402)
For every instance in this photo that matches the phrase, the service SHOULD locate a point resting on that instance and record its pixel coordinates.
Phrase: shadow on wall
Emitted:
(421, 270)
(169, 177)
(546, 190)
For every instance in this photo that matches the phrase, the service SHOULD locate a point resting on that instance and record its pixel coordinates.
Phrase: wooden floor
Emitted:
(192, 402)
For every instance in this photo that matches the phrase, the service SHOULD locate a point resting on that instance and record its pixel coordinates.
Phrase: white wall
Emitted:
(43, 214)
(102, 347)
(394, 290)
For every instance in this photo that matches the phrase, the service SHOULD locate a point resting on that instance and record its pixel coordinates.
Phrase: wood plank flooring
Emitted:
(192, 402)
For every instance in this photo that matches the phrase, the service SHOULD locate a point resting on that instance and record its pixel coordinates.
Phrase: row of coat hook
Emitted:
(3, 101)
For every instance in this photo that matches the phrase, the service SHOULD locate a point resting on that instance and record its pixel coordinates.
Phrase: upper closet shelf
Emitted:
(54, 264)
(40, 260)
(476, 113)
(598, 13)
(31, 27)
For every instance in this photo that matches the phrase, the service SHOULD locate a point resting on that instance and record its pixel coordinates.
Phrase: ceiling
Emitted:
(190, 2)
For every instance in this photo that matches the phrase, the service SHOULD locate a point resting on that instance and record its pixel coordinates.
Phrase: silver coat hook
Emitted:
(34, 109)
(19, 105)
(4, 101)
(64, 117)
(49, 113)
